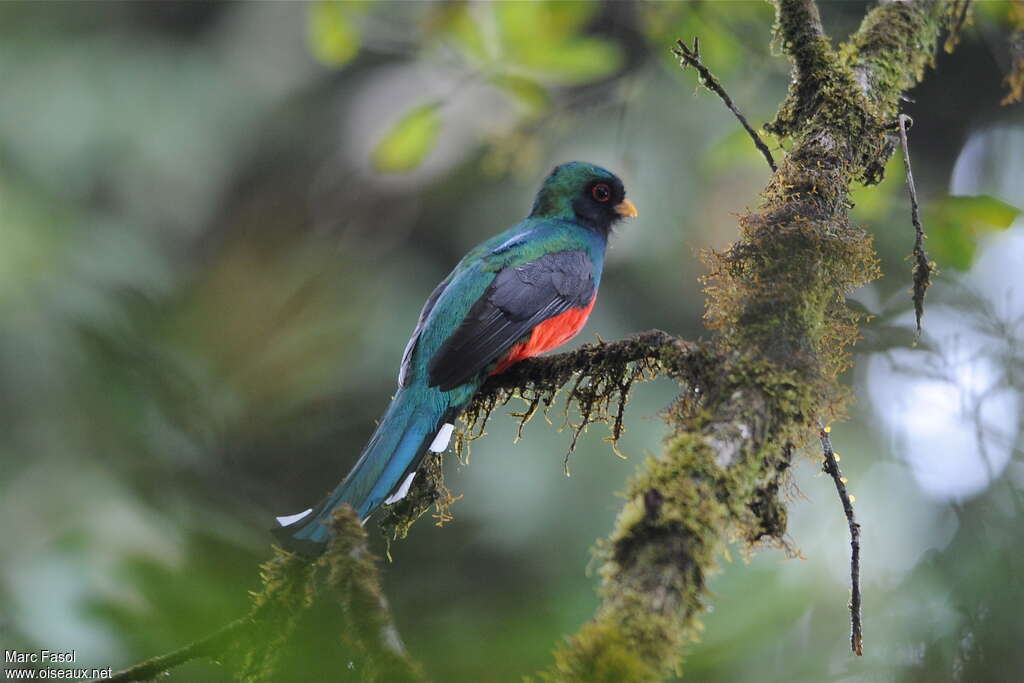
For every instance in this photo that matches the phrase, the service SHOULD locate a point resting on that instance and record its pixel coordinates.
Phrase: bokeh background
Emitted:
(218, 222)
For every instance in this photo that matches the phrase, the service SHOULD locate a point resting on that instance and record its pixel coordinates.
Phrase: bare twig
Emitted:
(691, 57)
(831, 467)
(923, 268)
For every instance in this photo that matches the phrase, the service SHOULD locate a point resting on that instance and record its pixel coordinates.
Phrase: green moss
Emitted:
(895, 44)
(600, 653)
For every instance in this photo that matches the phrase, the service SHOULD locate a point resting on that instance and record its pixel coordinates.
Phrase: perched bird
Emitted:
(521, 293)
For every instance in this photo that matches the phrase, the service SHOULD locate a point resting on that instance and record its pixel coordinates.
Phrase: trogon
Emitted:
(523, 292)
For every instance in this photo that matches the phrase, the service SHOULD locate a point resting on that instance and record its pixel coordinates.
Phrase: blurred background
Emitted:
(218, 222)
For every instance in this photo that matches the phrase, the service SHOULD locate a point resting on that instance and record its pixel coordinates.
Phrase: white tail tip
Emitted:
(291, 519)
(444, 435)
(402, 491)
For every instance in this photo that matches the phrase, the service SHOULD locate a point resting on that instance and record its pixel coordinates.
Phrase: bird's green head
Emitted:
(586, 193)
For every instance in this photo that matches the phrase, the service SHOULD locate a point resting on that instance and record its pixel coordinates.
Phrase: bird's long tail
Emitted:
(411, 426)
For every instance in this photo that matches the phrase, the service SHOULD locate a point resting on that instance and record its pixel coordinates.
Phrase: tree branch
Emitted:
(798, 26)
(776, 298)
(799, 31)
(548, 373)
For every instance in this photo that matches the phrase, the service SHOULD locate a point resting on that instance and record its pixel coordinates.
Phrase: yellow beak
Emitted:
(626, 209)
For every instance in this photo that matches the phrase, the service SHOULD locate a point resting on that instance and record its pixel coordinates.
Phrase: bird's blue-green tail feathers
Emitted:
(412, 425)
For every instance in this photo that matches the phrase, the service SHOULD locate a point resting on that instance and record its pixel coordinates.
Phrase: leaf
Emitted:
(404, 147)
(575, 61)
(525, 24)
(955, 224)
(333, 36)
(456, 20)
(544, 37)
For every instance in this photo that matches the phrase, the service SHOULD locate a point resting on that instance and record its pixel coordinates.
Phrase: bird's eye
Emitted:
(601, 192)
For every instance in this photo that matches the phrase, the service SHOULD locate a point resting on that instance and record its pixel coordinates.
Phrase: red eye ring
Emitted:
(601, 192)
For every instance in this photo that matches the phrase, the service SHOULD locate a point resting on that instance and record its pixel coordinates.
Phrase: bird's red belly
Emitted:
(550, 334)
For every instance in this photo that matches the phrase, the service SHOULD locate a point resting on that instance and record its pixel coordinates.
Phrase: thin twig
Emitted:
(691, 57)
(923, 268)
(831, 467)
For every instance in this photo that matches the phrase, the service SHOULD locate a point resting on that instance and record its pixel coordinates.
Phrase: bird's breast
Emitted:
(548, 335)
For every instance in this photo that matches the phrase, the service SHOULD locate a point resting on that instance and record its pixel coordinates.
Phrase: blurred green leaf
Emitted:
(457, 20)
(407, 144)
(333, 35)
(543, 37)
(955, 224)
(528, 92)
(576, 61)
(534, 23)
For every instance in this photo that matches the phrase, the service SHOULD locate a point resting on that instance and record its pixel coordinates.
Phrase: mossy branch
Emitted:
(776, 298)
(798, 27)
(295, 594)
(550, 373)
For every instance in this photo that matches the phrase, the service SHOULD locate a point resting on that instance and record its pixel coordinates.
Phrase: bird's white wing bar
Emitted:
(290, 519)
